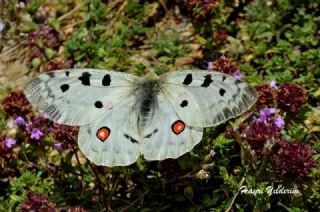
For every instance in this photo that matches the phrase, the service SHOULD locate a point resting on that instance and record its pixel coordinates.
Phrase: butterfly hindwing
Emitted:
(167, 136)
(78, 96)
(207, 98)
(112, 140)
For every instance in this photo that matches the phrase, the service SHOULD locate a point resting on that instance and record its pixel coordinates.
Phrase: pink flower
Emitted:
(279, 122)
(238, 75)
(58, 147)
(2, 26)
(272, 84)
(267, 111)
(210, 65)
(10, 142)
(265, 114)
(36, 134)
(19, 122)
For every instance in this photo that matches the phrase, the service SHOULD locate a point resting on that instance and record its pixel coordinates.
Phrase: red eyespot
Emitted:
(177, 127)
(103, 133)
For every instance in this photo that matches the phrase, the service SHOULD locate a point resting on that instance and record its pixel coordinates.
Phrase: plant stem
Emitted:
(236, 194)
(134, 202)
(101, 187)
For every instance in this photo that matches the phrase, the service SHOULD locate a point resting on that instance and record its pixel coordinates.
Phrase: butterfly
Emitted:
(122, 116)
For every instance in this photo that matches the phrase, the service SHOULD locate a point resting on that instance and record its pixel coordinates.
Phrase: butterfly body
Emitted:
(122, 116)
(147, 91)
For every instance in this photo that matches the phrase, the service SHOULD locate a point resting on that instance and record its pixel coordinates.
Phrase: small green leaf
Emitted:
(221, 141)
(50, 53)
(55, 24)
(36, 62)
(188, 192)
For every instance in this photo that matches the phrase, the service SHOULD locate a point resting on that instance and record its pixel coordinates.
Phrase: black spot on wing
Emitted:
(222, 91)
(227, 112)
(224, 78)
(67, 73)
(34, 83)
(187, 80)
(64, 87)
(207, 81)
(236, 111)
(85, 78)
(106, 80)
(98, 104)
(220, 117)
(251, 91)
(50, 93)
(242, 106)
(138, 121)
(50, 110)
(151, 134)
(236, 94)
(132, 140)
(246, 100)
(56, 116)
(237, 82)
(184, 103)
(89, 131)
(51, 74)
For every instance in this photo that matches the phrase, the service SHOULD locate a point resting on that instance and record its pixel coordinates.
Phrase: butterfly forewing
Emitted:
(78, 96)
(207, 98)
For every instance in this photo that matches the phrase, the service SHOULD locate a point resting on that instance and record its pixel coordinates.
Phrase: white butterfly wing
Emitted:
(166, 135)
(78, 96)
(112, 109)
(112, 140)
(207, 98)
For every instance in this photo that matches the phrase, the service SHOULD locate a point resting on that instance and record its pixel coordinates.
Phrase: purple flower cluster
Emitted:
(288, 157)
(266, 117)
(37, 202)
(288, 96)
(36, 134)
(39, 126)
(65, 135)
(210, 65)
(19, 122)
(58, 147)
(42, 38)
(10, 142)
(237, 74)
(293, 157)
(33, 131)
(264, 128)
(225, 65)
(16, 104)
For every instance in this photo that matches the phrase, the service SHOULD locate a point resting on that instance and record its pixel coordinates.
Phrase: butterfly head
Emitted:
(151, 76)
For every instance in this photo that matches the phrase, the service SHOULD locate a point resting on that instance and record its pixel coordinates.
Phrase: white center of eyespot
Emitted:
(108, 105)
(183, 96)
